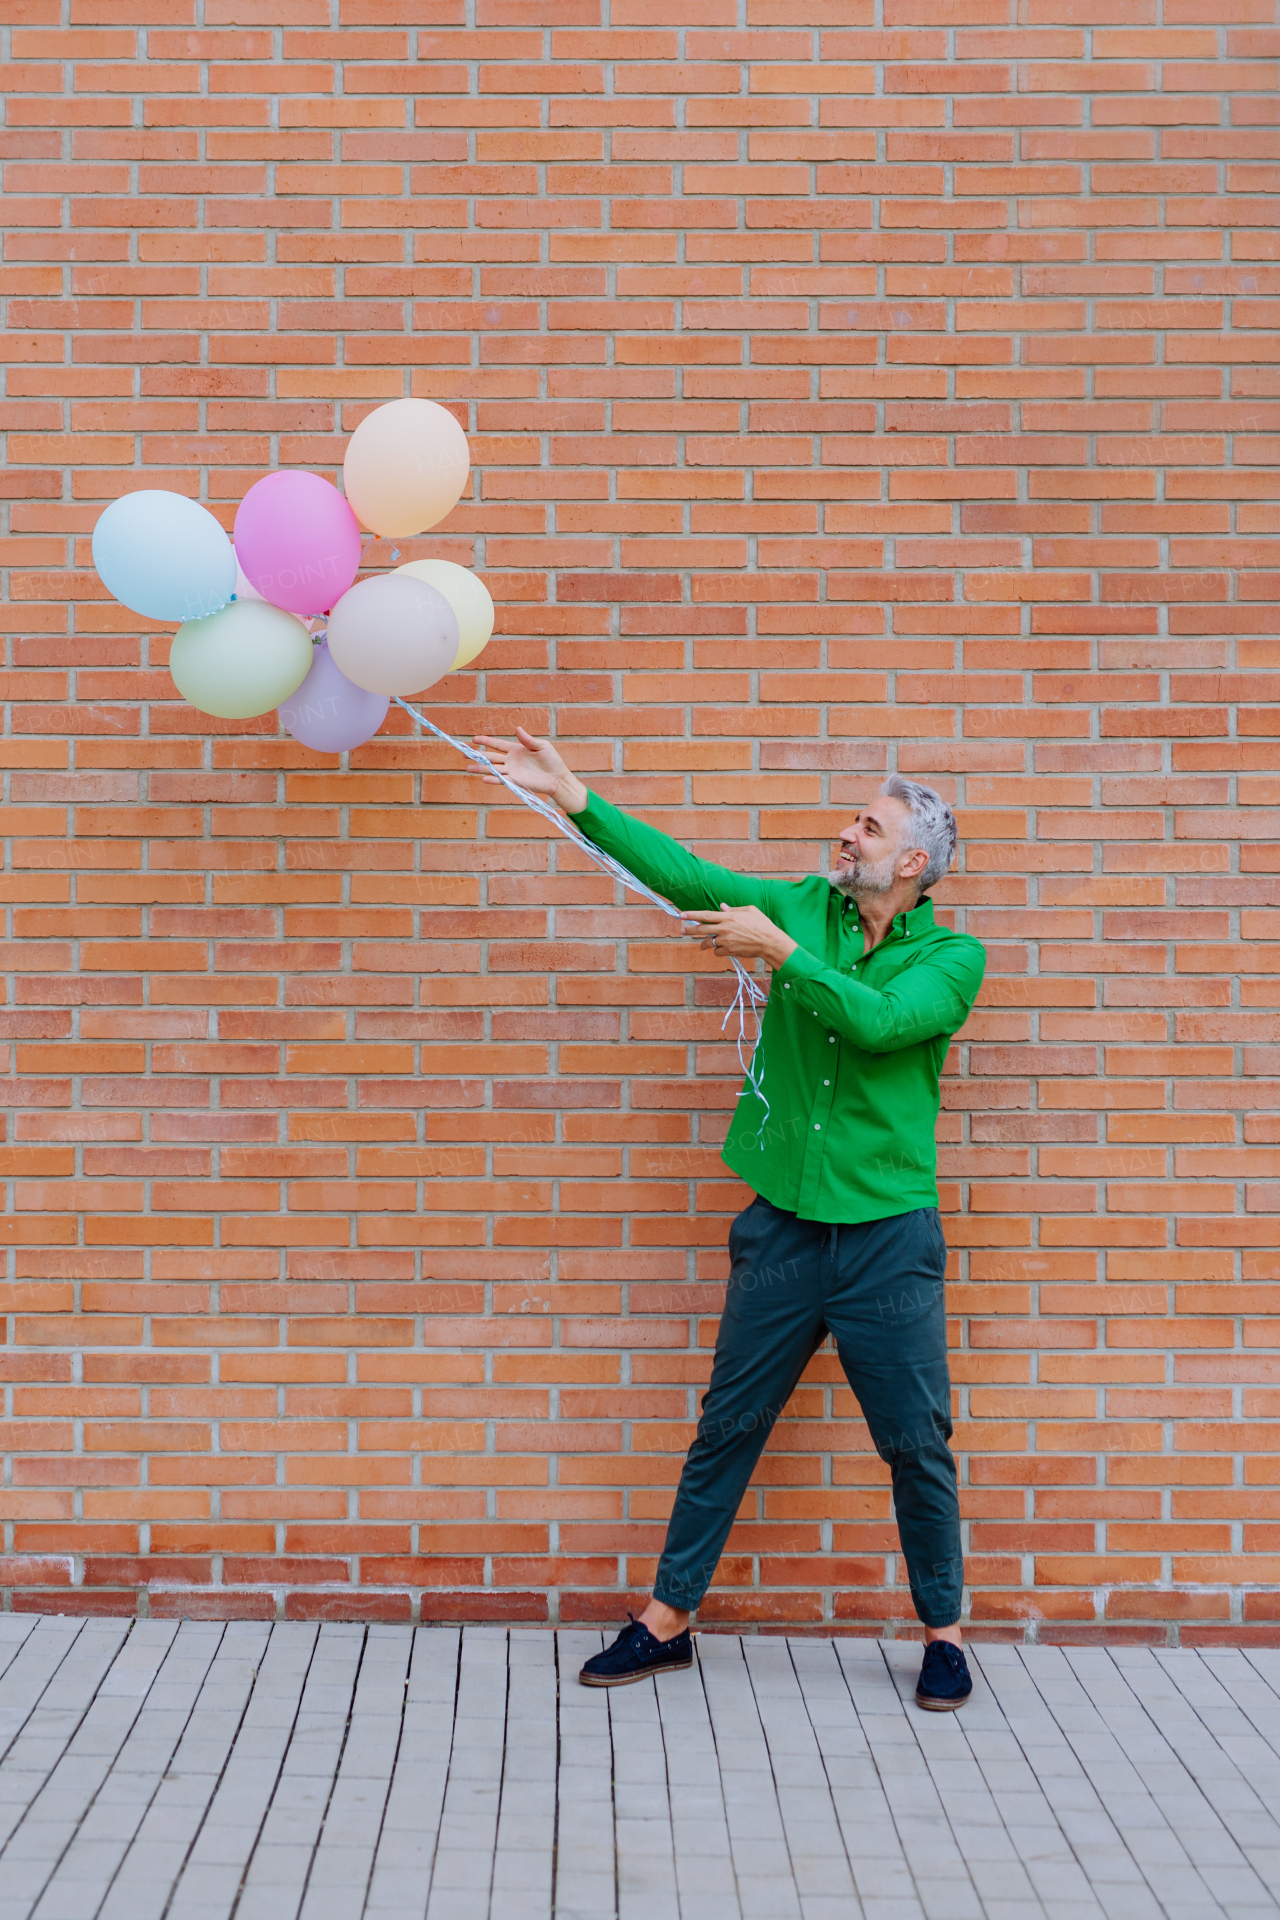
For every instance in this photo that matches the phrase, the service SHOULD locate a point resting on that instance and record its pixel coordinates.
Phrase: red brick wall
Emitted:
(846, 391)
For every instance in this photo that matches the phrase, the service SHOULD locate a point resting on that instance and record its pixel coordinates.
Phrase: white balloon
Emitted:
(393, 634)
(245, 589)
(469, 597)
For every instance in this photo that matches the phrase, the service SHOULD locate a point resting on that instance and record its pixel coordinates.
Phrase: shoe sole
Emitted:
(630, 1679)
(941, 1706)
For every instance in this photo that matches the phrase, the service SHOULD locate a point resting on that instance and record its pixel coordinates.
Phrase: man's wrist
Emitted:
(571, 795)
(781, 950)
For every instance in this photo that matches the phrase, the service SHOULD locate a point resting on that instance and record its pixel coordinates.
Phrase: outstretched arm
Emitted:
(536, 766)
(654, 857)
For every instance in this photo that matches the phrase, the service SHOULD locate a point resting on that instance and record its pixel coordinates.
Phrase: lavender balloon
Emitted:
(329, 712)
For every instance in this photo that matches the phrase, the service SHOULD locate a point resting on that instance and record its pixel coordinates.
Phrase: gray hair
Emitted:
(930, 825)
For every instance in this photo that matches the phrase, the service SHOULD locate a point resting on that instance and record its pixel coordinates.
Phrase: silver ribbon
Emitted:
(749, 995)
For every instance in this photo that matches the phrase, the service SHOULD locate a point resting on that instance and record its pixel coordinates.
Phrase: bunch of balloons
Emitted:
(253, 617)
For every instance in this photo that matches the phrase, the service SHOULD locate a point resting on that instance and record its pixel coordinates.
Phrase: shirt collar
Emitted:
(917, 920)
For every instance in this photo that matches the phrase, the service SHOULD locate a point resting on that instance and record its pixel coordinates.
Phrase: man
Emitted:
(836, 1137)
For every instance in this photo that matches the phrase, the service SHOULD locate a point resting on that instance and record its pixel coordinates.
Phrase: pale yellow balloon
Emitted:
(469, 597)
(405, 467)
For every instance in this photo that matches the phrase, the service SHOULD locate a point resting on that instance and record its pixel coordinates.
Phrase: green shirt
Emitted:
(851, 1048)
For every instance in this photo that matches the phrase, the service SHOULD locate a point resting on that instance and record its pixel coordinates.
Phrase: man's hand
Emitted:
(534, 765)
(741, 933)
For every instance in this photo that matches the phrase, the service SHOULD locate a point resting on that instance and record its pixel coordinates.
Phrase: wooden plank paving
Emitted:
(156, 1770)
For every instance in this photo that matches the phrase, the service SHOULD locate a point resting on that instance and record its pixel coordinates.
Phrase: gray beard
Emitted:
(863, 882)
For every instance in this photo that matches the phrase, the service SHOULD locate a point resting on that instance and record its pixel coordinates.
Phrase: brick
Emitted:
(794, 466)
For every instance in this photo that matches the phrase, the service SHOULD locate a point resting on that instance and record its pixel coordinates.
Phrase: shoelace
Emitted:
(948, 1651)
(750, 995)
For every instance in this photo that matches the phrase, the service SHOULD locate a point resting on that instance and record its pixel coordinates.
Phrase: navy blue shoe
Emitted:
(945, 1682)
(634, 1655)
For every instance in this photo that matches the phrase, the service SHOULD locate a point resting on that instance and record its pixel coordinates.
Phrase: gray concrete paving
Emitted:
(152, 1770)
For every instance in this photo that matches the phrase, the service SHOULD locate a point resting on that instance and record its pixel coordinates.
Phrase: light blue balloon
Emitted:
(164, 555)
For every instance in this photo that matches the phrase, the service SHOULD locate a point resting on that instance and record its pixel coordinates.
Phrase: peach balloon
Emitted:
(406, 465)
(467, 595)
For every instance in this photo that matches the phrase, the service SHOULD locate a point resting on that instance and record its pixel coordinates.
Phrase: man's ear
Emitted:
(914, 862)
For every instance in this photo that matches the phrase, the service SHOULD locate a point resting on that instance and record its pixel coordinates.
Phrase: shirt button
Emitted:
(816, 1127)
(826, 1083)
(831, 1039)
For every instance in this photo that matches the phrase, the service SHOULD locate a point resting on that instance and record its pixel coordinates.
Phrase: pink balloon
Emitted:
(330, 713)
(297, 541)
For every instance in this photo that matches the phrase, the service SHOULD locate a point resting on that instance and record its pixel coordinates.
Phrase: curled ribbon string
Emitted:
(749, 996)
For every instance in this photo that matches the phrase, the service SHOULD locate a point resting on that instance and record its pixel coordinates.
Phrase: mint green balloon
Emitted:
(242, 661)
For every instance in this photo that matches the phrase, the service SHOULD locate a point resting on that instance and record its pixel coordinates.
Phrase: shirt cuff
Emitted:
(799, 965)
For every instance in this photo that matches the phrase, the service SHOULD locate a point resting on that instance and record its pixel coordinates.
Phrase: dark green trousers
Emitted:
(878, 1287)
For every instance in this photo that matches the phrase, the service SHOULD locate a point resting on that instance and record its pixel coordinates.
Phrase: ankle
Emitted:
(664, 1622)
(943, 1633)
